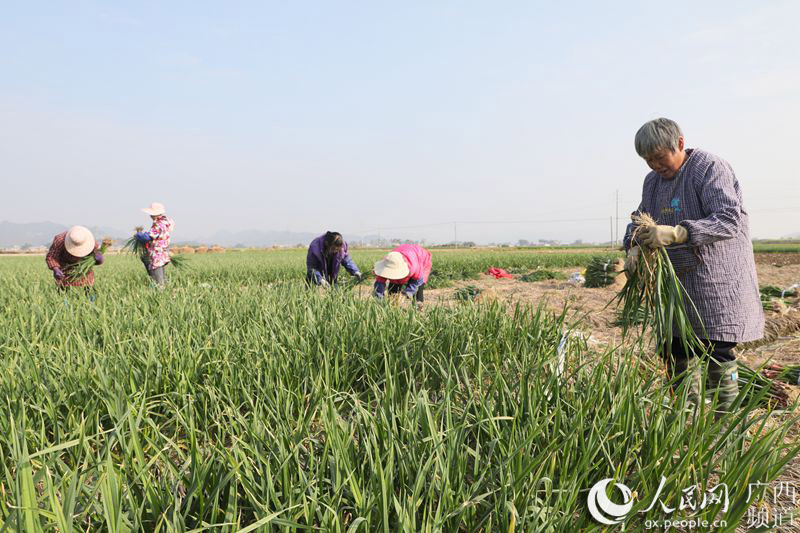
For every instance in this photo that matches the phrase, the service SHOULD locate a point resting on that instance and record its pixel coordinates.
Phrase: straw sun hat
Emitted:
(393, 266)
(79, 241)
(155, 209)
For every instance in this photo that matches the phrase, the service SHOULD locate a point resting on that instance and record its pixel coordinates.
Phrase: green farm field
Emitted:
(777, 247)
(237, 399)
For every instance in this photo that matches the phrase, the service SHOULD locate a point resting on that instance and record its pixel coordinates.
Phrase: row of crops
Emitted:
(776, 247)
(252, 267)
(238, 400)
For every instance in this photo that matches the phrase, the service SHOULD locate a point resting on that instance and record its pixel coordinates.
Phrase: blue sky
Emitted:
(361, 116)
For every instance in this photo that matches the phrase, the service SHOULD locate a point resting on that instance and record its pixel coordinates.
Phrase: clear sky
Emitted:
(360, 116)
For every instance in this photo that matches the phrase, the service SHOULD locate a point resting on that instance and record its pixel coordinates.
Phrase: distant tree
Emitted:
(523, 242)
(27, 246)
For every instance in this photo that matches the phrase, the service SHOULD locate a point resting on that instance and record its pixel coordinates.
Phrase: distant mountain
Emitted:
(42, 233)
(35, 234)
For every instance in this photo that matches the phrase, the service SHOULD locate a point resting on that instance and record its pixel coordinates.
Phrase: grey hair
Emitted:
(657, 135)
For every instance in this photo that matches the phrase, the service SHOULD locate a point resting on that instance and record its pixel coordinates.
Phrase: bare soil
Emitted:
(778, 259)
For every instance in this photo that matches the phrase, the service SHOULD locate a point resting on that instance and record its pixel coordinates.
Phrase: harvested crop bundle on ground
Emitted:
(601, 272)
(541, 275)
(468, 293)
(753, 383)
(772, 291)
(787, 374)
(773, 298)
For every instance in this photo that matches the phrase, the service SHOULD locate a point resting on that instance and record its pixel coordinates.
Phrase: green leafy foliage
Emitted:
(238, 400)
(468, 293)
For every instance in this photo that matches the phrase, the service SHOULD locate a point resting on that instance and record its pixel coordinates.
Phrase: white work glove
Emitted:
(660, 236)
(632, 259)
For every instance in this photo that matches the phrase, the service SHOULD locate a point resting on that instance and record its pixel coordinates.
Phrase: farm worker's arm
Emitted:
(413, 286)
(317, 278)
(143, 237)
(380, 287)
(350, 266)
(52, 257)
(98, 255)
(720, 198)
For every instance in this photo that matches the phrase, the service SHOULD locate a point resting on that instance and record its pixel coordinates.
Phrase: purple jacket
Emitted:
(327, 267)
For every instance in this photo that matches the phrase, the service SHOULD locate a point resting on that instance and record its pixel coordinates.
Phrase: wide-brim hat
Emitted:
(79, 241)
(155, 209)
(393, 266)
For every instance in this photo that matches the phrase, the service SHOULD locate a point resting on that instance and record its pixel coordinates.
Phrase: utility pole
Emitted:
(616, 238)
(611, 224)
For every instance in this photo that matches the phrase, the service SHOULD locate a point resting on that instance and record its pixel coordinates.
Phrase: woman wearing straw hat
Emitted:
(701, 221)
(156, 242)
(326, 255)
(68, 248)
(406, 269)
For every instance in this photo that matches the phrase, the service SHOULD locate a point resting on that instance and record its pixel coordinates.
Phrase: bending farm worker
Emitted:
(406, 269)
(326, 255)
(696, 201)
(157, 242)
(67, 249)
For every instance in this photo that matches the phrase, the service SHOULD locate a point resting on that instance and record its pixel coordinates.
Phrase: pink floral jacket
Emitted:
(158, 248)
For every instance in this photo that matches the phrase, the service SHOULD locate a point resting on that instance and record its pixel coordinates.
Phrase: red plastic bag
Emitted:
(499, 273)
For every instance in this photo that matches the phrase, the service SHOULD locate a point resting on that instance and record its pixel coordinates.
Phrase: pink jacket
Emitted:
(419, 263)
